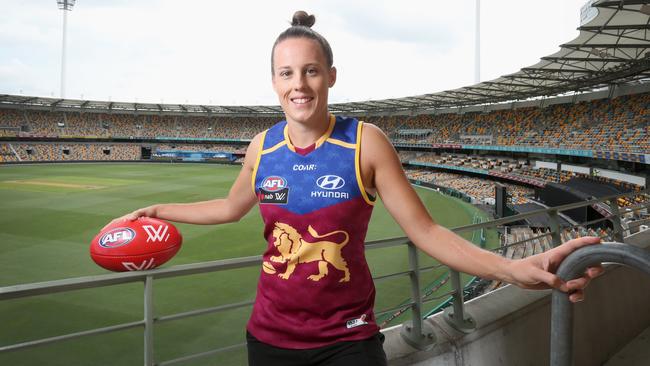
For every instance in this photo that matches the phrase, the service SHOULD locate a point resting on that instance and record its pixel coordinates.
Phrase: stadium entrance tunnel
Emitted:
(145, 152)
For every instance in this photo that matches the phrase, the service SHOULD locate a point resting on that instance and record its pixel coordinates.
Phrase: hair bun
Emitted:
(302, 18)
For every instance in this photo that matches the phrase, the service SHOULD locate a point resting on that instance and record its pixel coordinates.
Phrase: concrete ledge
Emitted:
(513, 325)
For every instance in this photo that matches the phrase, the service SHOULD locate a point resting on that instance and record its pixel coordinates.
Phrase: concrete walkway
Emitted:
(635, 353)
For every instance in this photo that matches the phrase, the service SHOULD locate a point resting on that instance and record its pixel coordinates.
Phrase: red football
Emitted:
(138, 245)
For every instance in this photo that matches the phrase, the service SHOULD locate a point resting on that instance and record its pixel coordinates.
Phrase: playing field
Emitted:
(51, 212)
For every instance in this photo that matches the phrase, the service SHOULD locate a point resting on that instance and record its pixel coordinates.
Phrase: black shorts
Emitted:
(366, 352)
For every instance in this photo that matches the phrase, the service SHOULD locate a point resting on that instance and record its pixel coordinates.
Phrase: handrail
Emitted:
(79, 283)
(572, 267)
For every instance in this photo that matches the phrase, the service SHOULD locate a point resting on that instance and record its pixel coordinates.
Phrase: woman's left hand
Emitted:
(538, 271)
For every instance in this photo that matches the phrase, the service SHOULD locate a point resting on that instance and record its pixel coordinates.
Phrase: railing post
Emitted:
(416, 333)
(616, 221)
(456, 316)
(148, 321)
(555, 228)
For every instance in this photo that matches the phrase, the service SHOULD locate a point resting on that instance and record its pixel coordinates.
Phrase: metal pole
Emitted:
(572, 267)
(65, 27)
(458, 296)
(555, 228)
(415, 333)
(477, 44)
(148, 321)
(416, 309)
(456, 316)
(616, 221)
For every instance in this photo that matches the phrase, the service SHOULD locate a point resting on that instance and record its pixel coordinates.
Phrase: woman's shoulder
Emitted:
(374, 142)
(372, 131)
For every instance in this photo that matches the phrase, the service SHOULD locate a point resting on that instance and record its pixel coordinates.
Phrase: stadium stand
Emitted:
(479, 190)
(205, 147)
(511, 166)
(47, 152)
(30, 123)
(619, 124)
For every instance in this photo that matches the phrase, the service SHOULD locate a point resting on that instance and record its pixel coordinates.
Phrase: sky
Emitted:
(218, 52)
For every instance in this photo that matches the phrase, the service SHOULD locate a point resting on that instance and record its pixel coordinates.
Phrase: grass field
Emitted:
(51, 212)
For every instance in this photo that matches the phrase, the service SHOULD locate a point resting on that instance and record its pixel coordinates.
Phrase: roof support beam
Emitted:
(586, 59)
(617, 3)
(604, 45)
(27, 100)
(550, 70)
(614, 27)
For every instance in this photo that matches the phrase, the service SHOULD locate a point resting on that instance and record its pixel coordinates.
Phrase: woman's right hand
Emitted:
(149, 211)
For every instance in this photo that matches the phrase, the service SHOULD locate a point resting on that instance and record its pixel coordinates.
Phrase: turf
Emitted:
(51, 212)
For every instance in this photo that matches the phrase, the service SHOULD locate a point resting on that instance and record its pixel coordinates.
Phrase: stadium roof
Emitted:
(612, 48)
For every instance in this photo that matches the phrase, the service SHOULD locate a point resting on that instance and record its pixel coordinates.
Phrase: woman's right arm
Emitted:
(239, 201)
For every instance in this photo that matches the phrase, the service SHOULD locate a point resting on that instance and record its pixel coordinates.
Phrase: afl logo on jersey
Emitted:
(330, 182)
(274, 189)
(274, 183)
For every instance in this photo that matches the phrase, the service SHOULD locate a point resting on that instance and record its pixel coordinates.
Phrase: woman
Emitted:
(315, 177)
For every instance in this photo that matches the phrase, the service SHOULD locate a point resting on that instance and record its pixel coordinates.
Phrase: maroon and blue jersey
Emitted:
(315, 286)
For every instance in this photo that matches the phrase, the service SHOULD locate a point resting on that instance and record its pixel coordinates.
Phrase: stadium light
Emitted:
(477, 43)
(66, 6)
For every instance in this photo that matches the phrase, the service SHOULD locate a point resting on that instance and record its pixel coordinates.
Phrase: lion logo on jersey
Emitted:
(295, 250)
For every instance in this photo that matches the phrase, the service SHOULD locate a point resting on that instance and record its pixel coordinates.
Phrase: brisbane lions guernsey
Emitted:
(315, 287)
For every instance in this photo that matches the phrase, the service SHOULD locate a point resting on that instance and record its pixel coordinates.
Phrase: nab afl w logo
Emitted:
(330, 182)
(274, 189)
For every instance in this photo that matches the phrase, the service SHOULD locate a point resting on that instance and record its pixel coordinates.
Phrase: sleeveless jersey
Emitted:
(315, 286)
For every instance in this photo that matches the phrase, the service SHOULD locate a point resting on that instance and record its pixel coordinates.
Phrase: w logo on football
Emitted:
(146, 264)
(156, 234)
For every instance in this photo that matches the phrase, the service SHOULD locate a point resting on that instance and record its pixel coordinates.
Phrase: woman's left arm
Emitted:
(382, 170)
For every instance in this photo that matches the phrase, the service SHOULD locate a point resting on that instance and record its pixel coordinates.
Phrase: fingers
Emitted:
(131, 217)
(576, 286)
(595, 271)
(544, 279)
(578, 283)
(541, 275)
(128, 217)
(576, 296)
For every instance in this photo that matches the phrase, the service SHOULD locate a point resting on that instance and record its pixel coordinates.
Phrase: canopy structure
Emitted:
(612, 48)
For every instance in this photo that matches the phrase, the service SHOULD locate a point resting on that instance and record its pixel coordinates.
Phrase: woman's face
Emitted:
(301, 78)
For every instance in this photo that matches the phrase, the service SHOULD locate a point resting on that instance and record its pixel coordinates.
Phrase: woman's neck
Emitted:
(306, 134)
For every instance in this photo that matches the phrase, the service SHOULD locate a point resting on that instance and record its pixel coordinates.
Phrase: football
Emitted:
(145, 243)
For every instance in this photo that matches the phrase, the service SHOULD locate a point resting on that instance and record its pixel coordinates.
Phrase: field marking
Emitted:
(53, 184)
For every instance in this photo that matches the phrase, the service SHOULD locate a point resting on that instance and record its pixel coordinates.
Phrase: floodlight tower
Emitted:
(477, 44)
(66, 6)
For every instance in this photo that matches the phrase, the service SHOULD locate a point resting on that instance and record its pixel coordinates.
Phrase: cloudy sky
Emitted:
(218, 52)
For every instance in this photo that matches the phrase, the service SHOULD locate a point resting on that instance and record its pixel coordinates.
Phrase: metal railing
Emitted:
(573, 267)
(415, 332)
